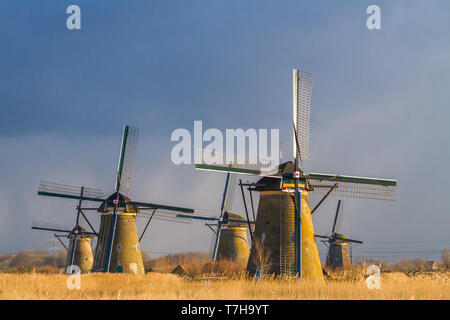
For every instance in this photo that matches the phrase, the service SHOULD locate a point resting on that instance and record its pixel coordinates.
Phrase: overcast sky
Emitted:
(380, 107)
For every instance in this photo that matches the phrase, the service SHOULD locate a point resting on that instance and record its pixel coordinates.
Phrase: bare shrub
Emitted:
(261, 256)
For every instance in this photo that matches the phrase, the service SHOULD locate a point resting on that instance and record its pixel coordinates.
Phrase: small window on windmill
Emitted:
(119, 247)
(137, 247)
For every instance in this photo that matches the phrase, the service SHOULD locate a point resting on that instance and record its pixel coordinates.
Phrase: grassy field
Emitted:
(167, 286)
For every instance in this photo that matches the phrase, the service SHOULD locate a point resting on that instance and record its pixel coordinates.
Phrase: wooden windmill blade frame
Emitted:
(126, 158)
(302, 92)
(212, 160)
(353, 186)
(163, 215)
(58, 190)
(47, 226)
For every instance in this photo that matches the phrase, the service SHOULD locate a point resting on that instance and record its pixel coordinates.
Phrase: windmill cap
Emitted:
(80, 232)
(108, 205)
(235, 216)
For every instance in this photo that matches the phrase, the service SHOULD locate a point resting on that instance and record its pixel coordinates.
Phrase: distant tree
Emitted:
(22, 260)
(411, 267)
(39, 252)
(54, 260)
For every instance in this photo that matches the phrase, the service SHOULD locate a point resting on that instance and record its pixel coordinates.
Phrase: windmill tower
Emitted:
(233, 242)
(230, 233)
(277, 228)
(79, 250)
(284, 222)
(337, 257)
(118, 247)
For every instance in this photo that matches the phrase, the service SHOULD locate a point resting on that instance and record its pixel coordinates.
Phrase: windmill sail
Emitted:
(208, 218)
(58, 190)
(126, 159)
(47, 226)
(217, 161)
(163, 215)
(230, 190)
(352, 186)
(302, 90)
(176, 214)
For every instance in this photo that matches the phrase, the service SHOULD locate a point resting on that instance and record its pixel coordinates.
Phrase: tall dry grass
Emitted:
(167, 286)
(196, 264)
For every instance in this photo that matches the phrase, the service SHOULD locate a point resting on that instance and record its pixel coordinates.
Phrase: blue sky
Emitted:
(380, 105)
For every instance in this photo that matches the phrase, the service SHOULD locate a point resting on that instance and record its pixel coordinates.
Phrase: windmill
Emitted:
(79, 250)
(230, 233)
(284, 222)
(337, 257)
(118, 248)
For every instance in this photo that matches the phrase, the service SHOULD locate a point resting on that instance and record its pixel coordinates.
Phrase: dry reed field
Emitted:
(168, 286)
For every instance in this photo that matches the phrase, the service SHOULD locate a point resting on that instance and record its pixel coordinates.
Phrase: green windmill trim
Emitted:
(351, 179)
